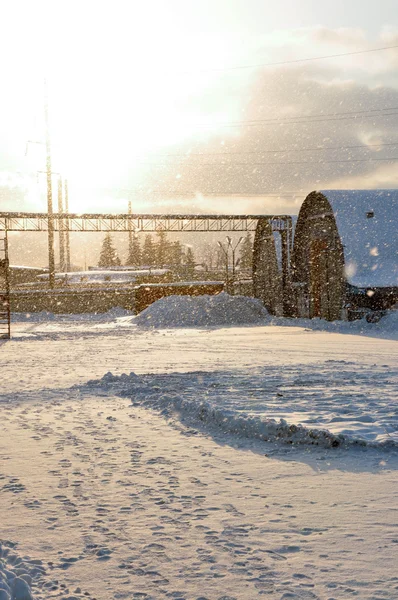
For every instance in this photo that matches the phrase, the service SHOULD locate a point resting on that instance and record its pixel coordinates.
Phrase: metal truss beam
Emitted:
(147, 222)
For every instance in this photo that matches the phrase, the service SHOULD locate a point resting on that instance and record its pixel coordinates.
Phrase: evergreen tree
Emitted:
(246, 253)
(148, 252)
(135, 255)
(175, 254)
(108, 256)
(162, 249)
(190, 262)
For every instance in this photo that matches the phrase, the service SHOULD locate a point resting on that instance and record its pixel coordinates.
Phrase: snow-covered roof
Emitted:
(138, 270)
(106, 274)
(367, 222)
(180, 284)
(25, 268)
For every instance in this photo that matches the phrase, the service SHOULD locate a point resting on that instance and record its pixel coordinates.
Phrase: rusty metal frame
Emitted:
(67, 222)
(5, 309)
(14, 221)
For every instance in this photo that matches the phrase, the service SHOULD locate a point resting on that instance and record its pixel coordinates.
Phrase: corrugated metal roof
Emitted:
(367, 222)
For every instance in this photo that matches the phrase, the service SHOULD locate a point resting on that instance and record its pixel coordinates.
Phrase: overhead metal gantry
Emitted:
(21, 221)
(67, 222)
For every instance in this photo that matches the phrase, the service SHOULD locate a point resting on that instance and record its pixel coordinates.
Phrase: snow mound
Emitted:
(389, 322)
(205, 400)
(24, 578)
(202, 311)
(16, 575)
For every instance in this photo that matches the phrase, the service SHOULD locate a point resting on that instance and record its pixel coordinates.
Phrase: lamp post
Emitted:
(233, 249)
(66, 232)
(226, 263)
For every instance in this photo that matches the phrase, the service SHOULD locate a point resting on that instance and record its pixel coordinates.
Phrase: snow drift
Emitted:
(251, 407)
(202, 311)
(17, 574)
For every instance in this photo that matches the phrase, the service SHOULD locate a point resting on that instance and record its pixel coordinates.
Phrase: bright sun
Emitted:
(117, 95)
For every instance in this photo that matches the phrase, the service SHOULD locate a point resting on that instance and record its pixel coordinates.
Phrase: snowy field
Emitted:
(230, 455)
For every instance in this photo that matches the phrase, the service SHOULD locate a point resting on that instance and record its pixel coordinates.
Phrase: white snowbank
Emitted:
(16, 575)
(288, 407)
(387, 326)
(44, 316)
(202, 311)
(24, 578)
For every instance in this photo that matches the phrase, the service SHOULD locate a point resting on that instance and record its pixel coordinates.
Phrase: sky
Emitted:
(175, 105)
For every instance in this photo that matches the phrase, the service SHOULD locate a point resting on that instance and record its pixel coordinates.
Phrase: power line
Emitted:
(295, 61)
(304, 120)
(335, 114)
(196, 192)
(250, 164)
(284, 151)
(316, 118)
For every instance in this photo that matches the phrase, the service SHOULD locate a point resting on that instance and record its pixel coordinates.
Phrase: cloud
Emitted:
(268, 166)
(384, 177)
(294, 153)
(347, 37)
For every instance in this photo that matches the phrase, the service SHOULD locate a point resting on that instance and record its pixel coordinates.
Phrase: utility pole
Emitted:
(129, 226)
(226, 264)
(51, 263)
(233, 248)
(67, 240)
(62, 266)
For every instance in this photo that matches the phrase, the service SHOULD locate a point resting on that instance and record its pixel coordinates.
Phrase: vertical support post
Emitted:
(5, 309)
(285, 258)
(61, 227)
(227, 272)
(66, 229)
(286, 240)
(51, 262)
(230, 284)
(130, 230)
(129, 223)
(8, 285)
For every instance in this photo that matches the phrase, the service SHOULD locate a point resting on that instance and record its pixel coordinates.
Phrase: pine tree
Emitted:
(135, 255)
(148, 252)
(108, 256)
(175, 254)
(246, 253)
(162, 249)
(190, 262)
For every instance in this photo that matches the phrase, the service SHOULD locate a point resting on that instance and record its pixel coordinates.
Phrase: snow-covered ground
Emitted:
(199, 461)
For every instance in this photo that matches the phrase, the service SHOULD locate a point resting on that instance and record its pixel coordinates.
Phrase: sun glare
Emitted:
(113, 103)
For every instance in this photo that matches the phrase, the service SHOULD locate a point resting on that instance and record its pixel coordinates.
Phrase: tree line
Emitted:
(159, 251)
